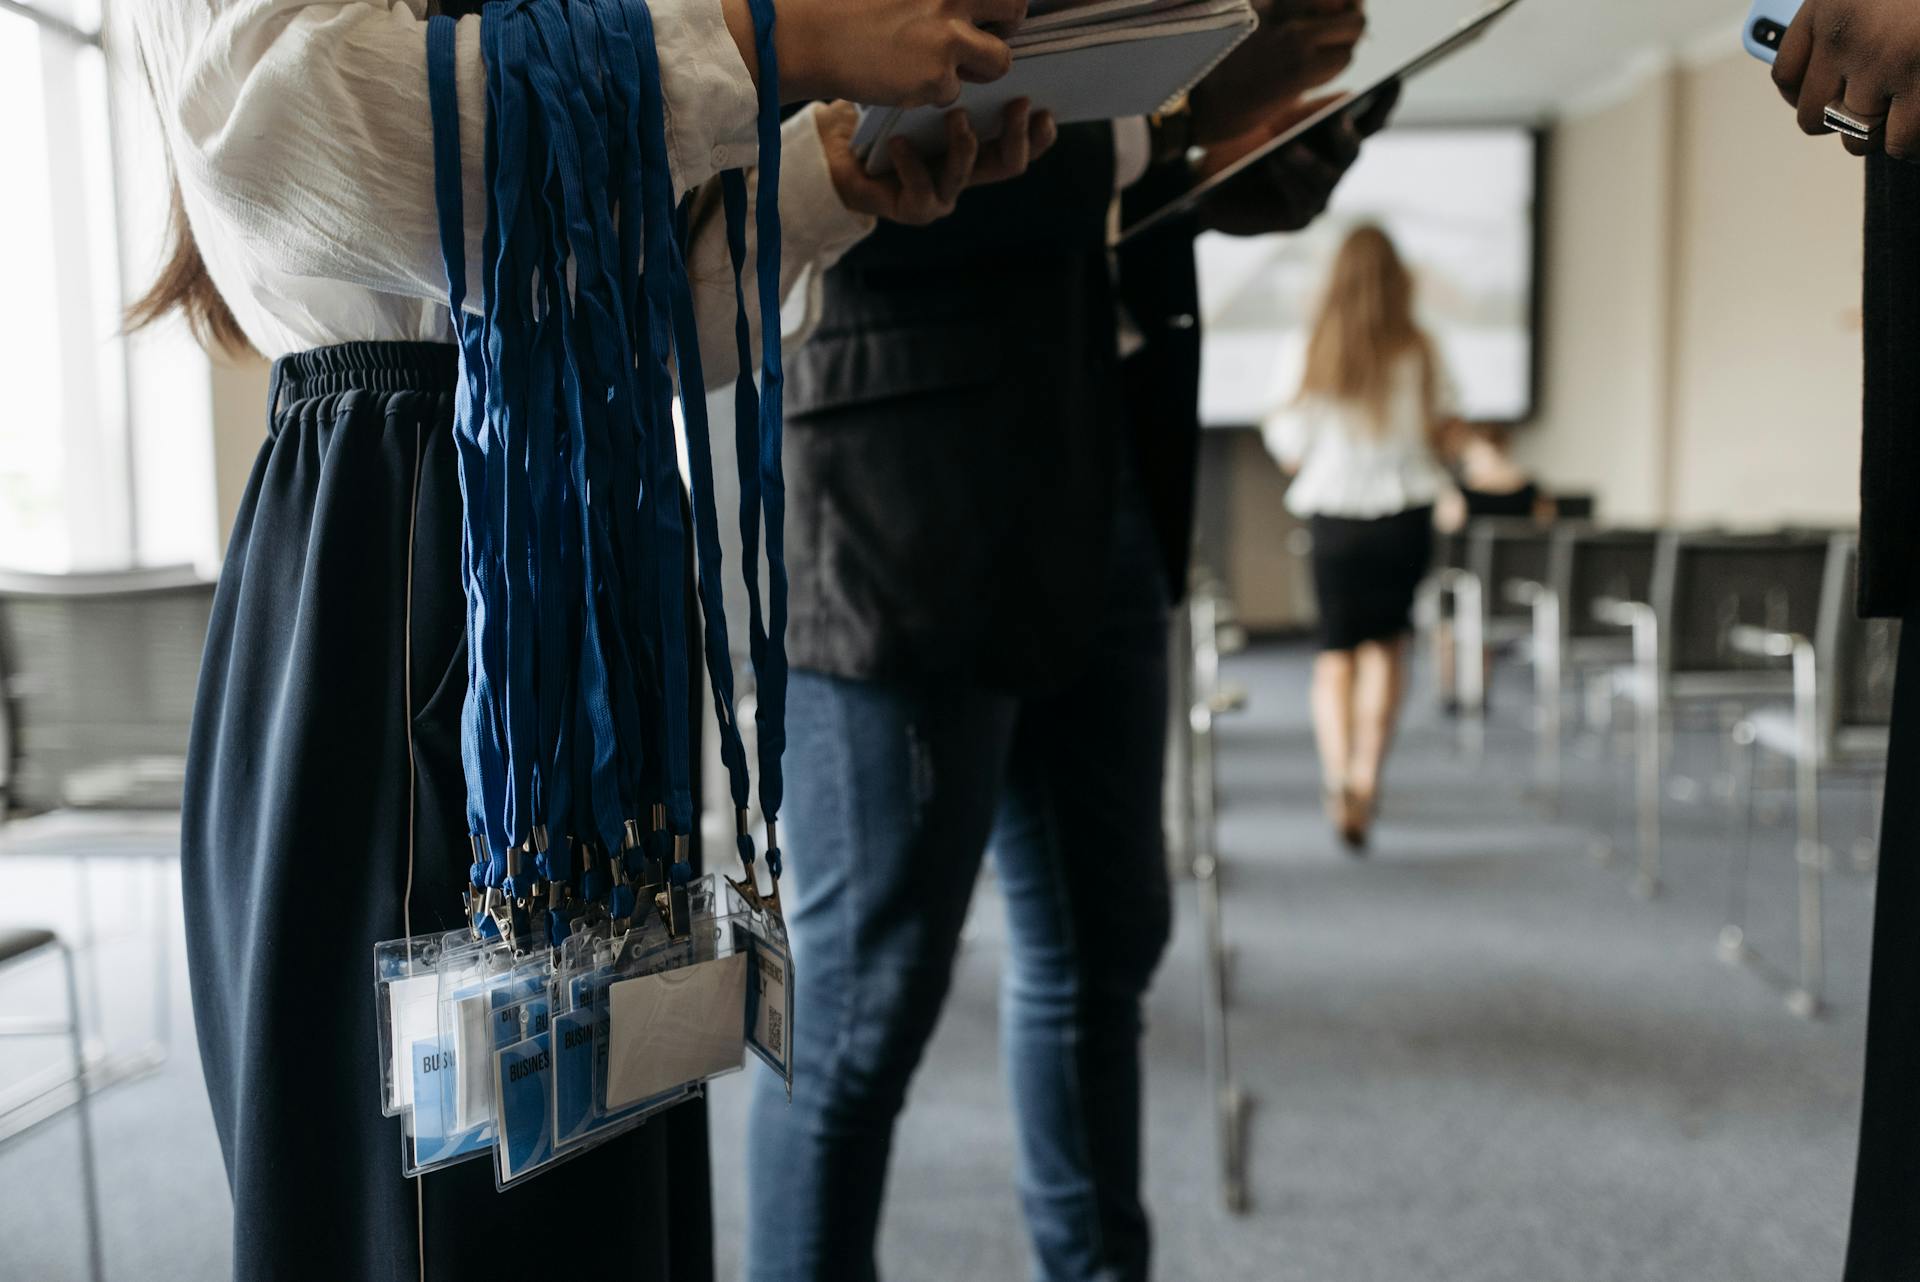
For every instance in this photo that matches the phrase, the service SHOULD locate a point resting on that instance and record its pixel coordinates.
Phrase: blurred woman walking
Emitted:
(1360, 440)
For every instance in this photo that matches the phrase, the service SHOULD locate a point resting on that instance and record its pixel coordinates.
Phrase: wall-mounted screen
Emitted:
(1461, 204)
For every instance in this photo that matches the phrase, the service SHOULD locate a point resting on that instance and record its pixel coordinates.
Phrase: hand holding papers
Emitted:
(1364, 106)
(1096, 61)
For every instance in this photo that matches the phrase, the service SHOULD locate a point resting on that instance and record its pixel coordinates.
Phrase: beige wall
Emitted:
(1701, 358)
(1766, 402)
(239, 426)
(1604, 272)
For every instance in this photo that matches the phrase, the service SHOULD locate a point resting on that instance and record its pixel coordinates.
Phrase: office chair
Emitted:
(40, 1099)
(1584, 564)
(97, 679)
(1499, 551)
(1704, 586)
(1837, 725)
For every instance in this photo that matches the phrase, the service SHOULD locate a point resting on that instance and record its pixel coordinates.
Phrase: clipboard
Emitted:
(1356, 103)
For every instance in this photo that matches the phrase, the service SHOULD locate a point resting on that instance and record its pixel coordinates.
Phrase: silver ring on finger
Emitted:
(1857, 125)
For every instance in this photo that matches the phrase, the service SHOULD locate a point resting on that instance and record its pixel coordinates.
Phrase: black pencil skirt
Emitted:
(1365, 574)
(325, 811)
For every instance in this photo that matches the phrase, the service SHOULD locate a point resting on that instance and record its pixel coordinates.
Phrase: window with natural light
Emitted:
(105, 448)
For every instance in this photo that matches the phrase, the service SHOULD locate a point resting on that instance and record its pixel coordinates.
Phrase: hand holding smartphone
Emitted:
(1767, 26)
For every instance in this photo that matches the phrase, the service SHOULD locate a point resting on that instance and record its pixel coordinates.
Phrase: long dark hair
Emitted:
(184, 285)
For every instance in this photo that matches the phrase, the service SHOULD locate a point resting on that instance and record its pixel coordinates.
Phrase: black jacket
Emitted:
(954, 440)
(1159, 284)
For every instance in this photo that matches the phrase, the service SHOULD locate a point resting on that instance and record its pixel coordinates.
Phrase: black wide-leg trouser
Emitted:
(325, 810)
(1885, 1242)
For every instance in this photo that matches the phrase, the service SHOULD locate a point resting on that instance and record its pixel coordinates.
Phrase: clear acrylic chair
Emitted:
(1837, 725)
(1704, 586)
(1585, 564)
(28, 1104)
(1499, 551)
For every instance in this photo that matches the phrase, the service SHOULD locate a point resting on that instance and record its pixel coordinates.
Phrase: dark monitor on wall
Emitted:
(1462, 204)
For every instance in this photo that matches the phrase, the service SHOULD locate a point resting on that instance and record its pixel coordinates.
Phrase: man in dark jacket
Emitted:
(1862, 59)
(987, 521)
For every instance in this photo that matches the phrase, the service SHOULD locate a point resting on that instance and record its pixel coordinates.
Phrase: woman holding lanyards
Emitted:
(326, 804)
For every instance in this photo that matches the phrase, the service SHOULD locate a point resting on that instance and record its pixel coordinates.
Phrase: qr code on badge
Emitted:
(775, 1019)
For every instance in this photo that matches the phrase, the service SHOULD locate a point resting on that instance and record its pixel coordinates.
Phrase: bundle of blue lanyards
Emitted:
(577, 740)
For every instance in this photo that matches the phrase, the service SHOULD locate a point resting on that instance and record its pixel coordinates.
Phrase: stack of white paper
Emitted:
(1088, 61)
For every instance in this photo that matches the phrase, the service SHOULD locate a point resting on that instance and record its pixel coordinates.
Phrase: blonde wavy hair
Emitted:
(1365, 327)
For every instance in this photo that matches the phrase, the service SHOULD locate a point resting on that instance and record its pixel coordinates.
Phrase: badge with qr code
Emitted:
(770, 1004)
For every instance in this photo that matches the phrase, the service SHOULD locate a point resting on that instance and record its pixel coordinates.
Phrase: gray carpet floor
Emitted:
(1472, 1056)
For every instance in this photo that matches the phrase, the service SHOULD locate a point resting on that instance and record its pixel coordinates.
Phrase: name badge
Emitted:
(413, 1015)
(523, 1080)
(770, 1005)
(433, 1137)
(675, 1027)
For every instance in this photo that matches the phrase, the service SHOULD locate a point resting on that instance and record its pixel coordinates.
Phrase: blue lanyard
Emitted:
(574, 540)
(635, 64)
(758, 429)
(482, 751)
(581, 226)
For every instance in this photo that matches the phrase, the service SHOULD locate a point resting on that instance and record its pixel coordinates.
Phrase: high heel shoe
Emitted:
(1348, 818)
(1358, 828)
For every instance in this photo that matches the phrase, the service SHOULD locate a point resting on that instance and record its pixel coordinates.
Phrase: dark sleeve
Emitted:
(1160, 289)
(1890, 449)
(1058, 206)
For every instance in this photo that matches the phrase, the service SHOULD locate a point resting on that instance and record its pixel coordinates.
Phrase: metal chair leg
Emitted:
(1548, 694)
(1648, 736)
(89, 1179)
(1470, 658)
(1866, 849)
(87, 941)
(1733, 935)
(1230, 1103)
(1598, 719)
(160, 919)
(1809, 852)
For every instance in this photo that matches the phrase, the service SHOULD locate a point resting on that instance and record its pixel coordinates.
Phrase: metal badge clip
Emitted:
(767, 903)
(746, 884)
(675, 908)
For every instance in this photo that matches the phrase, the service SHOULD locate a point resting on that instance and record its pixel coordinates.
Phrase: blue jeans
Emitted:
(894, 793)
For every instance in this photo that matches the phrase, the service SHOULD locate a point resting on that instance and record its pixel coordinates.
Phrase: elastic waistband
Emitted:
(372, 367)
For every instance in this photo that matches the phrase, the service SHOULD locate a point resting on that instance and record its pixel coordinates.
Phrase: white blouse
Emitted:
(301, 138)
(1346, 466)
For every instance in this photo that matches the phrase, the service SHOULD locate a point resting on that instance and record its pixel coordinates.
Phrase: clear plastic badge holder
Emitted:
(769, 1013)
(420, 1053)
(580, 1117)
(406, 989)
(681, 1015)
(544, 1083)
(522, 1070)
(539, 1056)
(453, 1115)
(557, 1092)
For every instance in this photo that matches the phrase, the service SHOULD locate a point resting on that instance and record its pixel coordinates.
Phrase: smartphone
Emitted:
(1767, 27)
